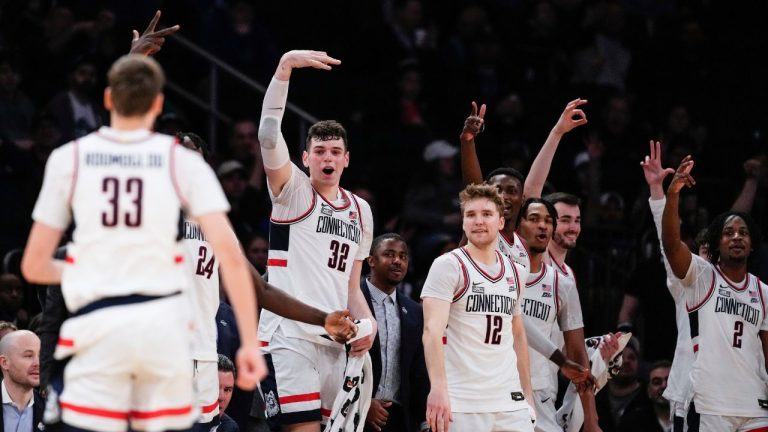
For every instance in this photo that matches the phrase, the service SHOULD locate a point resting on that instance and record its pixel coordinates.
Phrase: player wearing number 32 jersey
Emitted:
(124, 281)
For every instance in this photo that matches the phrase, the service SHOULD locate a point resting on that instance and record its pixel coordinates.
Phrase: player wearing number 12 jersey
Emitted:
(319, 236)
(474, 341)
(123, 280)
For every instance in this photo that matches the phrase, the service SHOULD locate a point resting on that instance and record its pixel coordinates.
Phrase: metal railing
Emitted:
(211, 106)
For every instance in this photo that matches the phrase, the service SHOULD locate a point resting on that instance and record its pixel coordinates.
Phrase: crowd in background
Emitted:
(683, 72)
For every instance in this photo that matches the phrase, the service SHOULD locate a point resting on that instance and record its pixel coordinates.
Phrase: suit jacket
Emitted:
(414, 381)
(37, 412)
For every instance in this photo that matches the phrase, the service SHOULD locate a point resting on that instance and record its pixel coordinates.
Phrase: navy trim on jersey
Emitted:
(279, 236)
(463, 290)
(477, 267)
(120, 301)
(301, 217)
(728, 281)
(706, 298)
(693, 321)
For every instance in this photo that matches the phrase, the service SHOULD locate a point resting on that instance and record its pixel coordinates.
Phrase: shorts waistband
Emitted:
(120, 301)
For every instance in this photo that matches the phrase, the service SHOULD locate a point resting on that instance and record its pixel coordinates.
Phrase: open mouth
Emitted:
(541, 237)
(328, 170)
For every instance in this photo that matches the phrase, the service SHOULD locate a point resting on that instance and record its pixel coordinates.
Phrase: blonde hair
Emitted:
(481, 191)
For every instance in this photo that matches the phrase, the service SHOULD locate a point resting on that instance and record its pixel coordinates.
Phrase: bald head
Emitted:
(20, 358)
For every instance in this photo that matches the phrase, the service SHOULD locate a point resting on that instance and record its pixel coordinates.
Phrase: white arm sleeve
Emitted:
(274, 150)
(52, 206)
(538, 341)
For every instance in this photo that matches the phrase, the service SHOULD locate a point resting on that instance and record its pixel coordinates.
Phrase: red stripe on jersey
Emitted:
(728, 281)
(760, 291)
(168, 412)
(696, 348)
(538, 278)
(276, 262)
(325, 412)
(344, 196)
(460, 292)
(98, 412)
(445, 340)
(178, 259)
(299, 398)
(359, 212)
(66, 342)
(480, 269)
(263, 343)
(210, 408)
(557, 299)
(172, 169)
(305, 214)
(706, 298)
(69, 260)
(762, 429)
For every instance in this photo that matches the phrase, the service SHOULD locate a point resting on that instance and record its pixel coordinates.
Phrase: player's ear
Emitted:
(346, 159)
(157, 104)
(305, 158)
(108, 99)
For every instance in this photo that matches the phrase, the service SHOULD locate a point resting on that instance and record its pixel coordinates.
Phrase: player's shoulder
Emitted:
(360, 201)
(450, 258)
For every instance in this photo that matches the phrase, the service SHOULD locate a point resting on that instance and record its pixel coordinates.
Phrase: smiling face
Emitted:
(326, 161)
(536, 227)
(735, 241)
(482, 222)
(389, 262)
(568, 225)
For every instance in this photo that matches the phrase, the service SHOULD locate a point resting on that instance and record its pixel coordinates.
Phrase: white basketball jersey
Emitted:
(312, 254)
(679, 383)
(125, 191)
(728, 375)
(480, 361)
(514, 249)
(547, 303)
(203, 267)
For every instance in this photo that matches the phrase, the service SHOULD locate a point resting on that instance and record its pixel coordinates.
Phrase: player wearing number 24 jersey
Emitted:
(123, 280)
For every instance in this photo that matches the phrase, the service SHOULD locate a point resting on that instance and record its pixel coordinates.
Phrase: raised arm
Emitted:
(571, 117)
(274, 150)
(753, 169)
(677, 252)
(653, 171)
(470, 165)
(337, 324)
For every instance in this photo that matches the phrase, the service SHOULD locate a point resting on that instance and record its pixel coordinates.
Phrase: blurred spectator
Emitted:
(76, 111)
(12, 300)
(257, 250)
(412, 35)
(6, 327)
(20, 362)
(226, 387)
(16, 110)
(171, 123)
(654, 415)
(624, 393)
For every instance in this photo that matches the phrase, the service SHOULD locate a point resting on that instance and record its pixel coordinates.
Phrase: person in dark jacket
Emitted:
(22, 405)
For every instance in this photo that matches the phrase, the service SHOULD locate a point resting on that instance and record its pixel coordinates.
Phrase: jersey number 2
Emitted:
(339, 253)
(204, 269)
(134, 187)
(493, 329)
(738, 331)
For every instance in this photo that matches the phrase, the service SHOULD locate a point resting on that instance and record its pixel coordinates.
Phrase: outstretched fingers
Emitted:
(153, 23)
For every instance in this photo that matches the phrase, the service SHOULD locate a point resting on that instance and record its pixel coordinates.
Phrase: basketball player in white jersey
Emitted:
(123, 279)
(474, 340)
(726, 311)
(319, 236)
(551, 303)
(678, 391)
(510, 183)
(204, 267)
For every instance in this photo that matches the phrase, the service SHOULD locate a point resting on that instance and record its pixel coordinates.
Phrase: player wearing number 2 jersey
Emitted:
(319, 235)
(727, 316)
(123, 280)
(474, 341)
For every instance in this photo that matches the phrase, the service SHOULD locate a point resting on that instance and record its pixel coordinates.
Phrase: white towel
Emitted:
(353, 400)
(570, 416)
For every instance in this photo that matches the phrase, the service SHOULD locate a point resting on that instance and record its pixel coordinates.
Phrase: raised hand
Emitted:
(474, 124)
(151, 41)
(682, 176)
(652, 169)
(340, 326)
(753, 168)
(609, 345)
(572, 117)
(298, 59)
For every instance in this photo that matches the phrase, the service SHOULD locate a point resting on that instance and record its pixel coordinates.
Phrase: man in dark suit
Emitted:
(400, 381)
(22, 406)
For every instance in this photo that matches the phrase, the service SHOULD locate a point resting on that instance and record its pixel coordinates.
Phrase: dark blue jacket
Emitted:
(414, 381)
